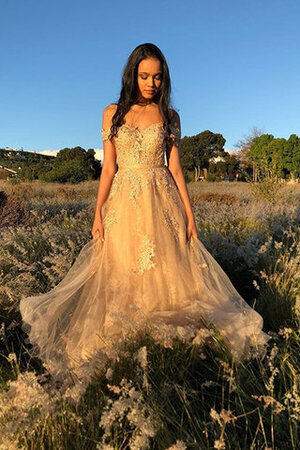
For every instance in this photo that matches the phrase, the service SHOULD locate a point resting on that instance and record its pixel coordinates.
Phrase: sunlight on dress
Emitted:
(144, 270)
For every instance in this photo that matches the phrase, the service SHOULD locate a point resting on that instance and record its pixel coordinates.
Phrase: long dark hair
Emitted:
(130, 91)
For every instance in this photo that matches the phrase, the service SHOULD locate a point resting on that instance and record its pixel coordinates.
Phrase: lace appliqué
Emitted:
(105, 134)
(167, 183)
(109, 219)
(136, 146)
(146, 253)
(115, 186)
(175, 134)
(138, 182)
(172, 289)
(141, 148)
(172, 223)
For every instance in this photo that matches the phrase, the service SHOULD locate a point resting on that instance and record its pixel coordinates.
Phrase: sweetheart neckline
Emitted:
(158, 124)
(137, 129)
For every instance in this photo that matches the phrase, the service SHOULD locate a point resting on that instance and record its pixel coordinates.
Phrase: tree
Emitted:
(68, 172)
(244, 144)
(73, 165)
(260, 153)
(291, 155)
(276, 157)
(195, 151)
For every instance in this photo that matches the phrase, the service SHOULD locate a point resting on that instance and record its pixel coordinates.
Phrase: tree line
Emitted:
(70, 165)
(202, 156)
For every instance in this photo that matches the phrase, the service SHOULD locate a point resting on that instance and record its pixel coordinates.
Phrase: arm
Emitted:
(108, 170)
(176, 171)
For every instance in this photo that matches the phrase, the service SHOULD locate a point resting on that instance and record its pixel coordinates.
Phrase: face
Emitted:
(149, 77)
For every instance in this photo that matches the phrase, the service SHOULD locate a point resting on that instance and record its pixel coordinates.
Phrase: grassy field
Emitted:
(171, 393)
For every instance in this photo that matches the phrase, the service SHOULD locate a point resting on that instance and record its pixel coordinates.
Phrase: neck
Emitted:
(143, 101)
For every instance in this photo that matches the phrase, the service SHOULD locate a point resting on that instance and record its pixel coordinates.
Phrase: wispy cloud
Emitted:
(230, 150)
(98, 153)
(49, 152)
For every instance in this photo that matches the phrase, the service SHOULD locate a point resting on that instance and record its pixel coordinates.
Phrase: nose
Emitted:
(151, 84)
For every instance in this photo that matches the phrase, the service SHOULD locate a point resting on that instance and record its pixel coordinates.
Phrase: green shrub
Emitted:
(68, 172)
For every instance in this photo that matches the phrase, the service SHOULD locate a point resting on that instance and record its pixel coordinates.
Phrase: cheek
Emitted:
(141, 83)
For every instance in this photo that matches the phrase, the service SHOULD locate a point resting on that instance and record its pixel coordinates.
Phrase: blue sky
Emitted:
(233, 64)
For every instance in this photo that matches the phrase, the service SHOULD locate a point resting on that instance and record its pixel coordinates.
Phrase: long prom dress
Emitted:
(145, 269)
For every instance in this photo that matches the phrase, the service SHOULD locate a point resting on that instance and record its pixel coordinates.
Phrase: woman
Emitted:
(145, 263)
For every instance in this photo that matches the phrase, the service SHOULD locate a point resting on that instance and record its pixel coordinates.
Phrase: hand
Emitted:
(191, 229)
(98, 229)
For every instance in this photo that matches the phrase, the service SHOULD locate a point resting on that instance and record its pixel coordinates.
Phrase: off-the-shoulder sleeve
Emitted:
(175, 128)
(175, 134)
(105, 133)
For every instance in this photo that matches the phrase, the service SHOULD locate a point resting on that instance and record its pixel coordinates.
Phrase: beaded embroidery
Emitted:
(146, 252)
(105, 133)
(139, 148)
(109, 219)
(138, 183)
(175, 134)
(172, 223)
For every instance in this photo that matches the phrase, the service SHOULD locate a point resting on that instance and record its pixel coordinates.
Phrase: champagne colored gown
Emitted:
(145, 269)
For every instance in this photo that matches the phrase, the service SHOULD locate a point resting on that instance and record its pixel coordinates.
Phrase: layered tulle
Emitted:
(145, 271)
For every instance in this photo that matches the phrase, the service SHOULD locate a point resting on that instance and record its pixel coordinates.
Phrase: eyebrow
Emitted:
(146, 73)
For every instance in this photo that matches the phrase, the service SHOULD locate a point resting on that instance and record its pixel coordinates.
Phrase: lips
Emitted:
(149, 92)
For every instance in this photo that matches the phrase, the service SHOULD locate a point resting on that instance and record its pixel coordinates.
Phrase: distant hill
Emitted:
(17, 159)
(66, 165)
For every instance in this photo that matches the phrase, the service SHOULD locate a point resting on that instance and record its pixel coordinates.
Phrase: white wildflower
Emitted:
(292, 400)
(141, 357)
(263, 274)
(75, 392)
(109, 374)
(114, 389)
(256, 285)
(130, 406)
(268, 400)
(12, 357)
(227, 416)
(23, 405)
(186, 333)
(278, 245)
(202, 335)
(262, 249)
(285, 332)
(215, 416)
(219, 444)
(208, 383)
(2, 331)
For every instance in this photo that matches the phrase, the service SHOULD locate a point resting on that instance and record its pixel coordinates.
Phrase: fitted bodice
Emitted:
(145, 147)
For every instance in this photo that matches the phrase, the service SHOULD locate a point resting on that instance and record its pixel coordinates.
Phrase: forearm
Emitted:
(105, 183)
(184, 194)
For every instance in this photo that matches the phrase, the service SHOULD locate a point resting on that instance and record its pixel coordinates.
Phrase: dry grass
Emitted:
(155, 395)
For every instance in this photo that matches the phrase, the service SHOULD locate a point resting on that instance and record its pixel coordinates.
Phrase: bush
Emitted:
(212, 177)
(216, 197)
(13, 180)
(266, 189)
(12, 210)
(68, 172)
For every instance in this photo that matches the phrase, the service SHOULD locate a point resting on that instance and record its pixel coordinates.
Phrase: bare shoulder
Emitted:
(109, 110)
(108, 113)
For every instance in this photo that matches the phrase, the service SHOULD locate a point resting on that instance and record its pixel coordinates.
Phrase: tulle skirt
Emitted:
(145, 271)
